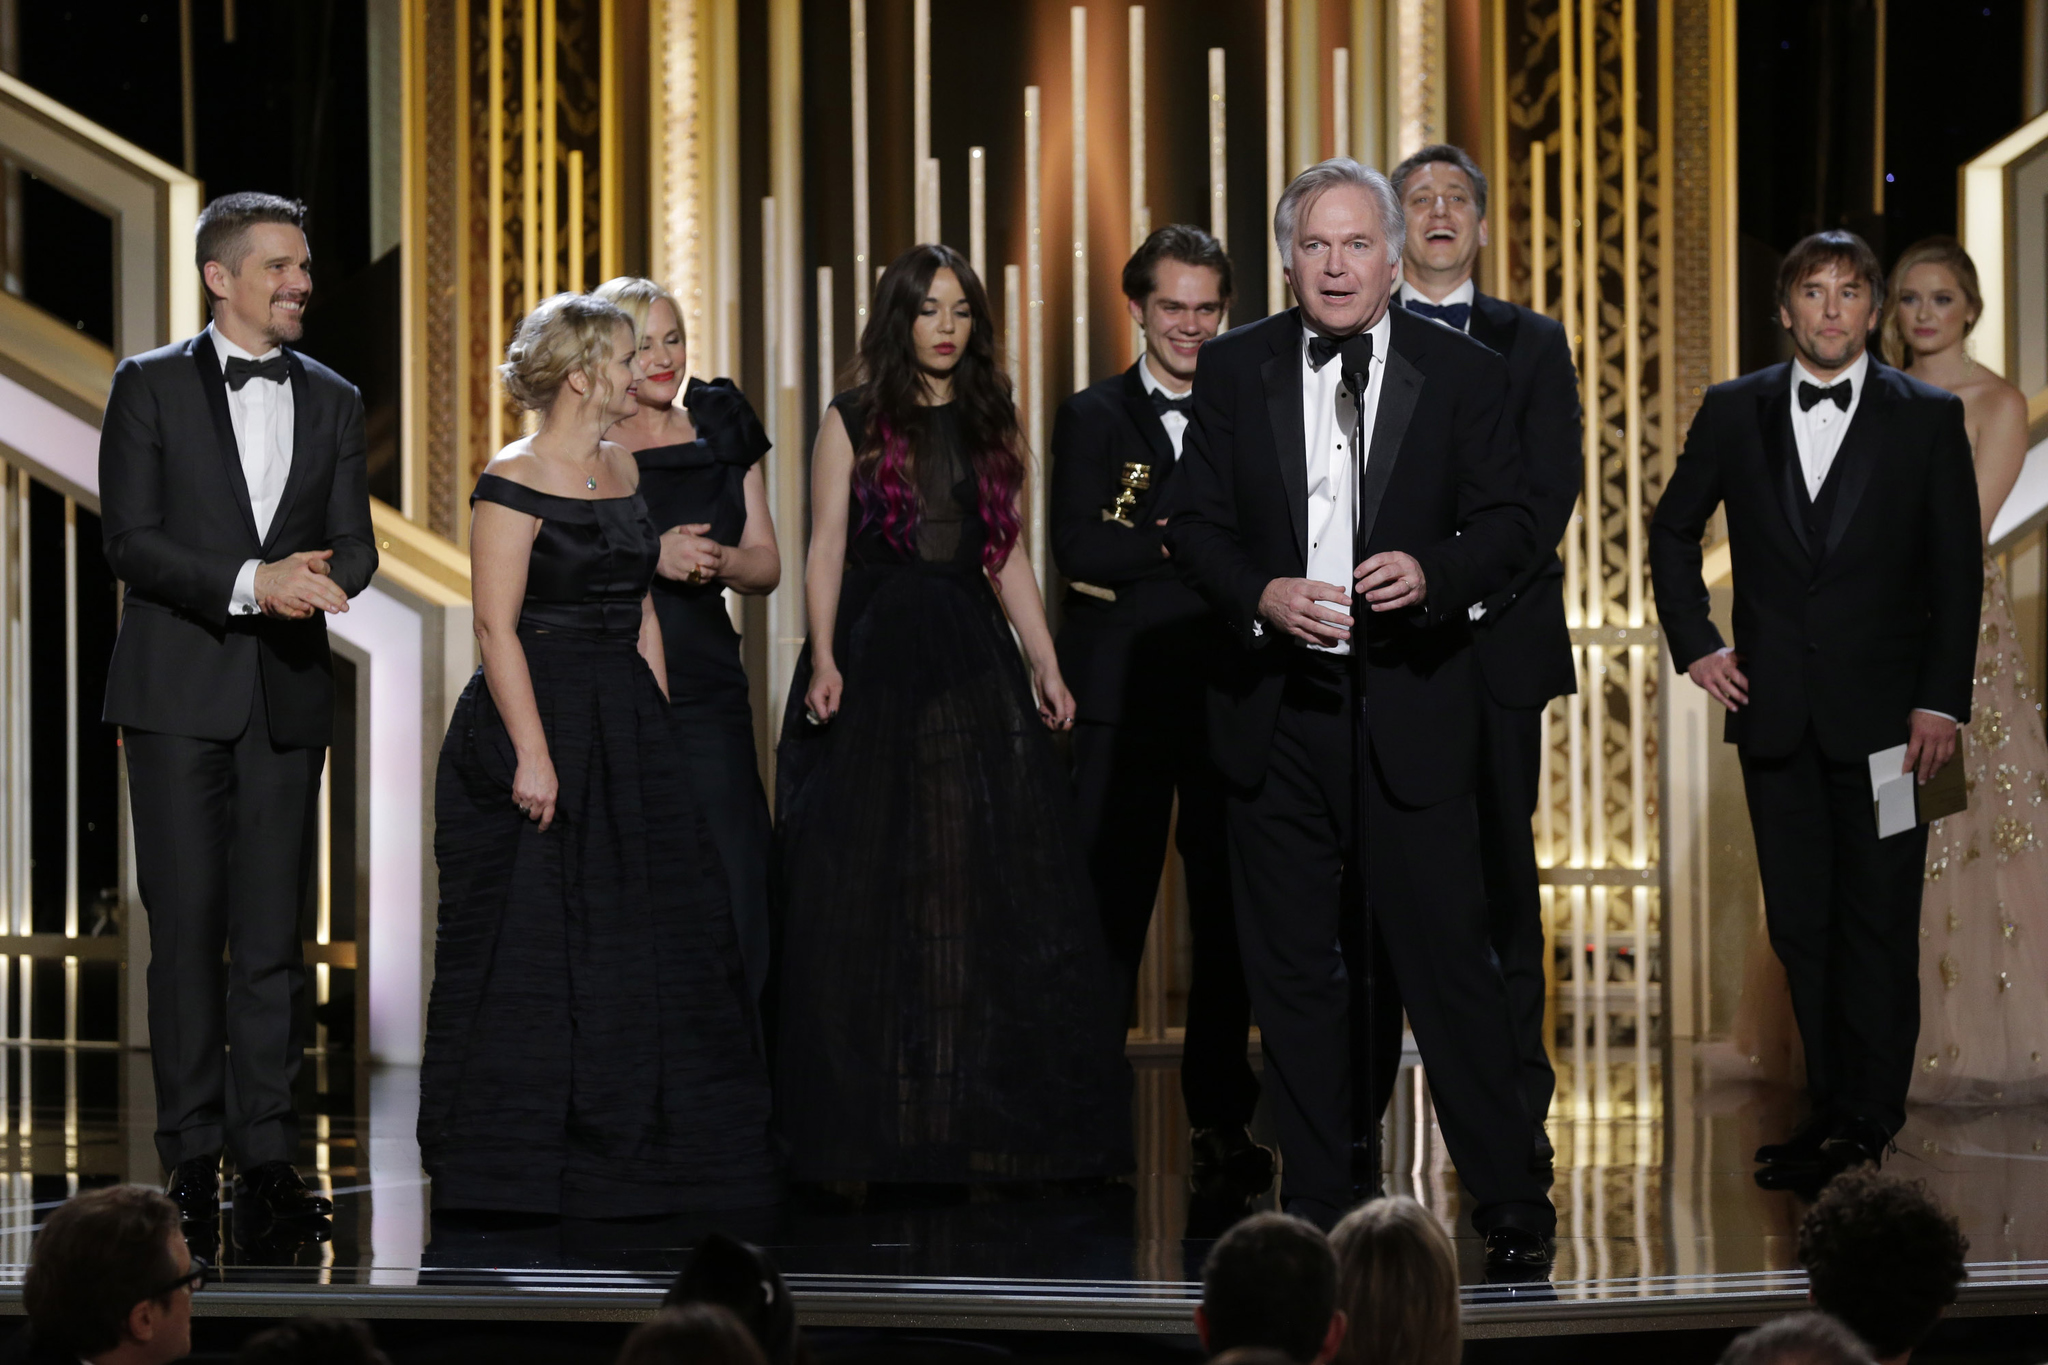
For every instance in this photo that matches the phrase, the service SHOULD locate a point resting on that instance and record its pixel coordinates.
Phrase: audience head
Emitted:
(313, 1341)
(1802, 1339)
(1443, 197)
(574, 349)
(658, 331)
(1253, 1355)
(110, 1269)
(255, 266)
(1397, 1283)
(1830, 297)
(694, 1334)
(1178, 287)
(1340, 230)
(1882, 1256)
(1936, 300)
(743, 1281)
(1271, 1282)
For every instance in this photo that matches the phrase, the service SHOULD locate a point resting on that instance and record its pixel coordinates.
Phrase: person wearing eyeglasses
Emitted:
(110, 1281)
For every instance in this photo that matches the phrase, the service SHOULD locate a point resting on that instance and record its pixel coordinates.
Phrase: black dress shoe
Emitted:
(1228, 1165)
(1859, 1142)
(276, 1189)
(1517, 1253)
(1802, 1147)
(1803, 1178)
(195, 1188)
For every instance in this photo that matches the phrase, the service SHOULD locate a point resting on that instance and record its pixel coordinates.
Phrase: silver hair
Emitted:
(1324, 176)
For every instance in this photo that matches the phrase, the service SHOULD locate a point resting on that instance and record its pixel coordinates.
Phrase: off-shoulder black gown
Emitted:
(948, 1008)
(590, 1049)
(690, 483)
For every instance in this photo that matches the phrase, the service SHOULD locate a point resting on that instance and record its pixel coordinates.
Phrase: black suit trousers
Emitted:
(1125, 778)
(1289, 839)
(1843, 910)
(1510, 766)
(224, 852)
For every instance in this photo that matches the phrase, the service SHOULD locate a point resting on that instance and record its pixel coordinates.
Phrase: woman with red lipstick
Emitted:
(948, 1010)
(1984, 966)
(699, 449)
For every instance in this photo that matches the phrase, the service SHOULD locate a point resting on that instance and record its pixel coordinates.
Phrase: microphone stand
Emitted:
(1358, 373)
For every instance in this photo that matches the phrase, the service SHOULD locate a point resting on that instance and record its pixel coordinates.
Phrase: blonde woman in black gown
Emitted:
(699, 446)
(590, 1050)
(949, 1012)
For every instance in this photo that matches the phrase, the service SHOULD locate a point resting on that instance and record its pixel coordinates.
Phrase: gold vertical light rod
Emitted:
(1034, 334)
(494, 217)
(71, 820)
(1631, 335)
(1141, 213)
(1077, 38)
(1502, 283)
(1276, 143)
(575, 278)
(1589, 321)
(1667, 251)
(1219, 178)
(828, 367)
(977, 211)
(1340, 101)
(1303, 93)
(926, 212)
(1013, 329)
(1877, 121)
(1568, 202)
(1539, 209)
(1366, 38)
(529, 157)
(863, 280)
(550, 153)
(608, 178)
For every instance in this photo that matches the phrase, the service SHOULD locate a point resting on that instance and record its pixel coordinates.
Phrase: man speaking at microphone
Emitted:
(1348, 483)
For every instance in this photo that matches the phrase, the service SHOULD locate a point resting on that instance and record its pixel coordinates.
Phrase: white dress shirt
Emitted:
(1176, 423)
(262, 413)
(1818, 430)
(1330, 421)
(1464, 294)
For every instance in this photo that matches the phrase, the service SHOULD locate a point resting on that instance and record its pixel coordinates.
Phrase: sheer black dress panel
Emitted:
(590, 1049)
(948, 1009)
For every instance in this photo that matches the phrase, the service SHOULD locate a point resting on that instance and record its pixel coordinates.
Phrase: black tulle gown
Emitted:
(695, 482)
(590, 1050)
(948, 1010)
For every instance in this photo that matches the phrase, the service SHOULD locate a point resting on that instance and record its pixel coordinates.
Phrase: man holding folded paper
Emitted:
(1853, 529)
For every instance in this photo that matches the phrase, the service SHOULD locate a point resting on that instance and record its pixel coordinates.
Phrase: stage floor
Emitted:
(1660, 1223)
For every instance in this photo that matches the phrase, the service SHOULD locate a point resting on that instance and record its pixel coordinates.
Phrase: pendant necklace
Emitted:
(591, 484)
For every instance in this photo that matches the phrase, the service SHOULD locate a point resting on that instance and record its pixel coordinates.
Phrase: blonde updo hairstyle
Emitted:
(1942, 251)
(636, 298)
(564, 335)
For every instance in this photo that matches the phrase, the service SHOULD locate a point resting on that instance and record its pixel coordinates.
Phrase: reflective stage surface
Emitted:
(1660, 1223)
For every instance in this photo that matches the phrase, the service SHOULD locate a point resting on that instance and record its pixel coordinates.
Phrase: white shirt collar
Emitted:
(1380, 332)
(1151, 381)
(227, 350)
(1464, 293)
(1858, 369)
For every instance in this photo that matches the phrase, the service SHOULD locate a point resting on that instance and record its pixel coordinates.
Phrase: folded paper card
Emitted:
(1902, 803)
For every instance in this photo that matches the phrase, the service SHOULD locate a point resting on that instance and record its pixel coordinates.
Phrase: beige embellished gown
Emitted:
(1983, 916)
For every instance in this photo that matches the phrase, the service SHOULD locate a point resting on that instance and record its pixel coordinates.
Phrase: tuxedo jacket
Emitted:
(177, 528)
(1852, 622)
(1524, 648)
(1148, 647)
(1441, 483)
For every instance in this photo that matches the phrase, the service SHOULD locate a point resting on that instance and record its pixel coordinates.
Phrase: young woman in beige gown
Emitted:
(1984, 915)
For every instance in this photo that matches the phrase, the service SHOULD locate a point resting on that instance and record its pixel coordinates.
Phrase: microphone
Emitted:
(1356, 357)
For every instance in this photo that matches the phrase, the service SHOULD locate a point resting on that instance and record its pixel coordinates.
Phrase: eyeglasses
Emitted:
(193, 1279)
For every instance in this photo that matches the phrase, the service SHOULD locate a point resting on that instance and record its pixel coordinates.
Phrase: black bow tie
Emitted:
(239, 371)
(1164, 402)
(1322, 350)
(1450, 314)
(1809, 394)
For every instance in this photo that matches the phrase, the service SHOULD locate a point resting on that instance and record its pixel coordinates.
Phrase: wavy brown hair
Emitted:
(1397, 1283)
(893, 386)
(1942, 251)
